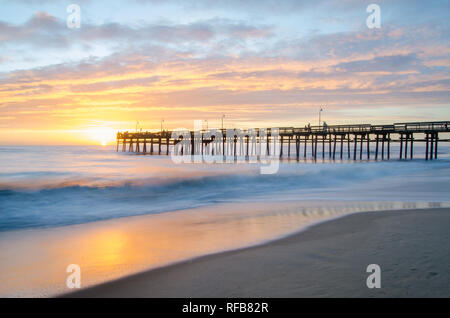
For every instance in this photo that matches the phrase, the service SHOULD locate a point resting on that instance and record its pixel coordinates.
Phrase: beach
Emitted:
(412, 248)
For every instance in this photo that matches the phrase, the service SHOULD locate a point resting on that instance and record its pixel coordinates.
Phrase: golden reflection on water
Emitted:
(34, 262)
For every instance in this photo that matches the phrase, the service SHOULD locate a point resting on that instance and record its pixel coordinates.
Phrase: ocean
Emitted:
(136, 212)
(45, 186)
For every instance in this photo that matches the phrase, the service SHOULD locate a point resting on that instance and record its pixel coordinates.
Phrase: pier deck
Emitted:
(356, 138)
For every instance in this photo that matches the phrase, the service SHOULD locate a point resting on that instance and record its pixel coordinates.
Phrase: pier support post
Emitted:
(306, 145)
(248, 141)
(323, 146)
(389, 146)
(401, 146)
(289, 146)
(406, 145)
(144, 148)
(342, 146)
(432, 146)
(281, 146)
(167, 145)
(224, 140)
(426, 145)
(130, 149)
(368, 146)
(329, 147)
(376, 146)
(361, 147)
(334, 146)
(201, 144)
(348, 146)
(315, 147)
(355, 146)
(436, 138)
(124, 145)
(382, 146)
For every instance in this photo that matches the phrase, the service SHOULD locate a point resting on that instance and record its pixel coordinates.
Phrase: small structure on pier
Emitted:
(356, 138)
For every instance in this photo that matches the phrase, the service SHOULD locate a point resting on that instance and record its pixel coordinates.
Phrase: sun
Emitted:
(100, 136)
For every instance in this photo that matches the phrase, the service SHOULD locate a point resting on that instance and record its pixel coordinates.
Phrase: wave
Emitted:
(52, 195)
(308, 175)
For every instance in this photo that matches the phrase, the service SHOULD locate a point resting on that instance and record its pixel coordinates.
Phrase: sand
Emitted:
(412, 247)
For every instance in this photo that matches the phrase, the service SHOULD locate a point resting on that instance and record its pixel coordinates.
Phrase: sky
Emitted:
(262, 63)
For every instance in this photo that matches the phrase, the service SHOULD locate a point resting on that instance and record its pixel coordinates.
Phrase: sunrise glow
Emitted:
(276, 70)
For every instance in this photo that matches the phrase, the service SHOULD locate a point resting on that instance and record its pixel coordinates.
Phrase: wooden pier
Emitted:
(358, 140)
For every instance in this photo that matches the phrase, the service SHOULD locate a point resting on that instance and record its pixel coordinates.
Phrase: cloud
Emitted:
(130, 84)
(204, 67)
(111, 85)
(43, 30)
(392, 63)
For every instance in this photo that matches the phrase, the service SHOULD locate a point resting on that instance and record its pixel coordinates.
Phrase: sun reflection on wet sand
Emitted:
(33, 262)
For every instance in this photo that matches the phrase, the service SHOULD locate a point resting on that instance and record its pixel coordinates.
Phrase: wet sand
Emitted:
(412, 247)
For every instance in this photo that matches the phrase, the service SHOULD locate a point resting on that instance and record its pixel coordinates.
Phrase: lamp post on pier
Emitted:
(320, 114)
